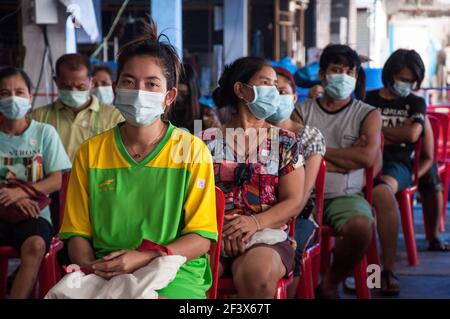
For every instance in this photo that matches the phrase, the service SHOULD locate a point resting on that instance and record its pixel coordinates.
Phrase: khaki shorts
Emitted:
(338, 211)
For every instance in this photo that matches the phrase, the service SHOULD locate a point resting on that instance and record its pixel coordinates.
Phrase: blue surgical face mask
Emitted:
(402, 89)
(104, 94)
(340, 86)
(284, 109)
(14, 107)
(74, 99)
(266, 101)
(139, 108)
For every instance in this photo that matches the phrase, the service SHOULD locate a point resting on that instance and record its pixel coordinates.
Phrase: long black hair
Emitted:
(186, 111)
(399, 60)
(346, 56)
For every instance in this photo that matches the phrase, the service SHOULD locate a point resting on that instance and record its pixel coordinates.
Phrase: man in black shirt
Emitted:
(403, 117)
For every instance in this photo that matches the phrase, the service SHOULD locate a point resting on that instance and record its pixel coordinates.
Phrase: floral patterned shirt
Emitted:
(250, 183)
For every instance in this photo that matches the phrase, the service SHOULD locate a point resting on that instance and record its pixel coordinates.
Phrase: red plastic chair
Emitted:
(215, 248)
(360, 270)
(63, 195)
(226, 287)
(440, 125)
(404, 199)
(49, 272)
(309, 277)
(444, 109)
(373, 257)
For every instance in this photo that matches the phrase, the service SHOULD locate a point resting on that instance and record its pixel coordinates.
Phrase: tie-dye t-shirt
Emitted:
(32, 156)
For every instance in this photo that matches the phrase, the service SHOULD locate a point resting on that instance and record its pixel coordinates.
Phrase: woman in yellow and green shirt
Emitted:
(144, 180)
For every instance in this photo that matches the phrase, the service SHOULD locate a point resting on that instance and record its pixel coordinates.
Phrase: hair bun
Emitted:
(217, 96)
(149, 30)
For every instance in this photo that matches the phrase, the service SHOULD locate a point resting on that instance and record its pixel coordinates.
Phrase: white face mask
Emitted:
(266, 101)
(402, 89)
(74, 99)
(104, 94)
(139, 108)
(14, 107)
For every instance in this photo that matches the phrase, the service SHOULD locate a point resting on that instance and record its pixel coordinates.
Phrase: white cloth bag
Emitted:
(142, 284)
(267, 236)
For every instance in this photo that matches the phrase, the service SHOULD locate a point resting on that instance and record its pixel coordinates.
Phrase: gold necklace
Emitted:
(137, 155)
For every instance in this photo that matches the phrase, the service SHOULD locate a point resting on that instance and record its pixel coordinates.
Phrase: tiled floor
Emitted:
(431, 278)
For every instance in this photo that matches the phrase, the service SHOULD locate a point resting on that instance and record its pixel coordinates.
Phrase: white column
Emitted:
(168, 16)
(235, 33)
(323, 19)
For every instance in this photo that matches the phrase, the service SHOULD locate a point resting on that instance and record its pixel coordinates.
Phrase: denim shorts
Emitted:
(400, 172)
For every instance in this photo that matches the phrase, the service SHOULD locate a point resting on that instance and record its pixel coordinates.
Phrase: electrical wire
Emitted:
(47, 45)
(50, 60)
(113, 26)
(46, 56)
(41, 71)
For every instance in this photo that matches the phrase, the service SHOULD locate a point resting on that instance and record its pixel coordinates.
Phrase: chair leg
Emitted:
(301, 291)
(309, 280)
(280, 293)
(372, 253)
(325, 254)
(360, 272)
(404, 200)
(305, 289)
(316, 270)
(47, 274)
(3, 276)
(445, 181)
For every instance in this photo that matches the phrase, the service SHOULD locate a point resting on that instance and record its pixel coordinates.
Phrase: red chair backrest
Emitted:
(319, 192)
(63, 196)
(445, 110)
(215, 248)
(439, 108)
(368, 193)
(369, 172)
(416, 161)
(440, 125)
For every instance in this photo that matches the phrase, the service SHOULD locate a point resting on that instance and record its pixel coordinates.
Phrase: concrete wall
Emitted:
(377, 22)
(33, 40)
(425, 35)
(323, 13)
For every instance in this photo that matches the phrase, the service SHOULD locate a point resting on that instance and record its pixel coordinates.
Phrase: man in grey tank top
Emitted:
(352, 131)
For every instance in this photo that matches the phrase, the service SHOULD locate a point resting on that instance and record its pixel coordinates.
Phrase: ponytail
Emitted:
(360, 89)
